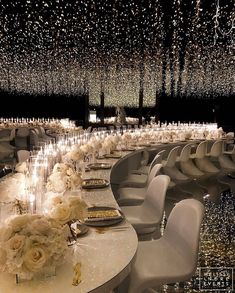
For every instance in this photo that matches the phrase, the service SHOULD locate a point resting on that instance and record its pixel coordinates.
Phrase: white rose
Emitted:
(19, 222)
(78, 206)
(84, 149)
(56, 182)
(15, 244)
(58, 199)
(76, 180)
(5, 233)
(69, 171)
(41, 226)
(59, 167)
(62, 213)
(35, 258)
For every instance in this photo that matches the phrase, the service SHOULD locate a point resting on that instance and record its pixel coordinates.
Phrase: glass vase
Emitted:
(47, 272)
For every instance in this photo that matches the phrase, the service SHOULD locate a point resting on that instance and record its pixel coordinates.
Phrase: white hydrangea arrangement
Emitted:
(31, 243)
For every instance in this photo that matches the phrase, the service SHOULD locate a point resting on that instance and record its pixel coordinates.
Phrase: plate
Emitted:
(113, 156)
(128, 149)
(144, 144)
(97, 166)
(103, 216)
(93, 183)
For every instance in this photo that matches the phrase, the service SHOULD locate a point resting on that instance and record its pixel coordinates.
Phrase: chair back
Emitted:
(217, 148)
(183, 229)
(13, 134)
(155, 195)
(22, 132)
(201, 150)
(42, 130)
(172, 156)
(33, 138)
(5, 132)
(157, 159)
(144, 158)
(39, 132)
(23, 155)
(185, 153)
(154, 172)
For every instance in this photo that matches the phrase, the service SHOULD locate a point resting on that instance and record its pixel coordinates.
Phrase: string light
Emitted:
(54, 47)
(218, 30)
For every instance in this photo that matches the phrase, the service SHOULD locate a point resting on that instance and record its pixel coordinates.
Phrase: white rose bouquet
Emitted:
(63, 177)
(65, 209)
(31, 243)
(75, 154)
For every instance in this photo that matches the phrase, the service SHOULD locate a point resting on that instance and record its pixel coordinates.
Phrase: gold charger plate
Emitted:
(144, 144)
(94, 183)
(97, 166)
(128, 149)
(103, 216)
(113, 156)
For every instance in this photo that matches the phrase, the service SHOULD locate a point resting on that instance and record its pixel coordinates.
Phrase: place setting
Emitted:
(104, 219)
(112, 155)
(94, 183)
(99, 166)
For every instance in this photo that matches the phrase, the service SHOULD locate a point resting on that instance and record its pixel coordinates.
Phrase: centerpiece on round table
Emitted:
(32, 244)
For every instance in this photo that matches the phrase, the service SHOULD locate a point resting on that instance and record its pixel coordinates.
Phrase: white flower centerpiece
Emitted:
(63, 177)
(30, 244)
(66, 210)
(109, 144)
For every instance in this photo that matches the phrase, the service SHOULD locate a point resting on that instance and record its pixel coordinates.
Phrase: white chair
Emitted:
(43, 136)
(33, 139)
(173, 257)
(170, 168)
(22, 138)
(135, 196)
(186, 164)
(7, 150)
(146, 217)
(227, 158)
(202, 161)
(7, 135)
(145, 168)
(140, 180)
(22, 155)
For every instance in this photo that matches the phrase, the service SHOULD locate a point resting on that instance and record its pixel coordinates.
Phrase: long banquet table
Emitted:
(105, 257)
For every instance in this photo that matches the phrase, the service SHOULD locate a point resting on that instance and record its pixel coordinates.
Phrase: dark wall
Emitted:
(221, 110)
(42, 106)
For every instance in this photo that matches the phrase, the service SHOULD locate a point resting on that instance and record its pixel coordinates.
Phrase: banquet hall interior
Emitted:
(117, 152)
